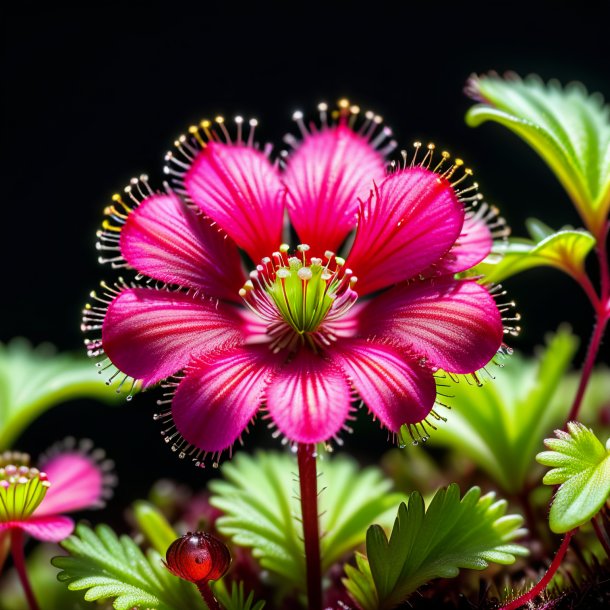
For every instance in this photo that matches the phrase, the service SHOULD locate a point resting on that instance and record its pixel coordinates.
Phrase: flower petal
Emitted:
(454, 324)
(77, 482)
(308, 399)
(150, 334)
(49, 528)
(396, 390)
(237, 187)
(220, 395)
(166, 240)
(325, 176)
(411, 221)
(472, 246)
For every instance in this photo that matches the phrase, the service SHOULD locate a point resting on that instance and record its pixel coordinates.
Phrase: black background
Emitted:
(93, 96)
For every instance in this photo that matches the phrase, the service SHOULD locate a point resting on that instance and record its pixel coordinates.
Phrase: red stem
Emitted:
(602, 254)
(601, 535)
(308, 480)
(19, 561)
(601, 305)
(208, 597)
(546, 579)
(596, 338)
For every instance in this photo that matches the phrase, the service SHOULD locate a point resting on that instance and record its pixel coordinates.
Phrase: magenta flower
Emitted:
(34, 500)
(307, 331)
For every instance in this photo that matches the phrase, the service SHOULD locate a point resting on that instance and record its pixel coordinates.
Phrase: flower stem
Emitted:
(208, 597)
(546, 579)
(308, 480)
(19, 561)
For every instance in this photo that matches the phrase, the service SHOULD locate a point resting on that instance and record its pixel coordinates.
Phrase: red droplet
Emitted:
(198, 557)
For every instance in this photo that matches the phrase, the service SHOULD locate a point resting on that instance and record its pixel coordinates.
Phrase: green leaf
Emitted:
(581, 467)
(567, 127)
(258, 497)
(33, 380)
(155, 527)
(566, 250)
(360, 584)
(108, 567)
(501, 425)
(434, 543)
(237, 600)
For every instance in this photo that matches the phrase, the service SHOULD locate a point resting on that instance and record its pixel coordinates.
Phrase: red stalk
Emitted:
(601, 305)
(19, 561)
(308, 480)
(546, 579)
(208, 597)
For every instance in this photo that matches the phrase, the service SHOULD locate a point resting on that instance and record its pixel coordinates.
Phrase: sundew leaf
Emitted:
(108, 567)
(33, 380)
(566, 126)
(566, 250)
(258, 496)
(436, 542)
(501, 426)
(581, 467)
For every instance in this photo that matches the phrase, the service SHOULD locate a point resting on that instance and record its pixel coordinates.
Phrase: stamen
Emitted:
(296, 295)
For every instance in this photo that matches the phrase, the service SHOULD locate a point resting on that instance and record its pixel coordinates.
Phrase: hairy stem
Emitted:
(308, 480)
(19, 561)
(208, 597)
(546, 579)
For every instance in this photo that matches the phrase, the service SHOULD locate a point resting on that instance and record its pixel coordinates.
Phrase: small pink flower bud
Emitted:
(198, 557)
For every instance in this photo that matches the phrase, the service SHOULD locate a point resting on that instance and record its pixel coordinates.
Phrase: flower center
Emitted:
(22, 488)
(300, 296)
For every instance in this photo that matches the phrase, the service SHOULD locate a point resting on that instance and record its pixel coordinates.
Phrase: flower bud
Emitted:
(198, 557)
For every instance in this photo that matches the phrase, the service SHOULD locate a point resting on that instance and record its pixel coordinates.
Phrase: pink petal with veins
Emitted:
(410, 222)
(308, 399)
(398, 391)
(237, 187)
(48, 528)
(325, 176)
(220, 395)
(472, 246)
(454, 324)
(150, 334)
(166, 240)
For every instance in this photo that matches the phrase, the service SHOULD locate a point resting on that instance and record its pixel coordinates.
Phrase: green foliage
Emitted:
(567, 127)
(433, 543)
(501, 425)
(106, 566)
(258, 497)
(34, 380)
(155, 527)
(581, 467)
(566, 250)
(237, 600)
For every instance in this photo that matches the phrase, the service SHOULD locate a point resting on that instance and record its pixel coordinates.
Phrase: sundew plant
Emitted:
(290, 288)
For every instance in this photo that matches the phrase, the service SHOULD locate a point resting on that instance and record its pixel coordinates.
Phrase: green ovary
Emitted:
(303, 294)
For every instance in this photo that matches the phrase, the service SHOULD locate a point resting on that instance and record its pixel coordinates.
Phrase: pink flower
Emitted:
(33, 500)
(307, 331)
